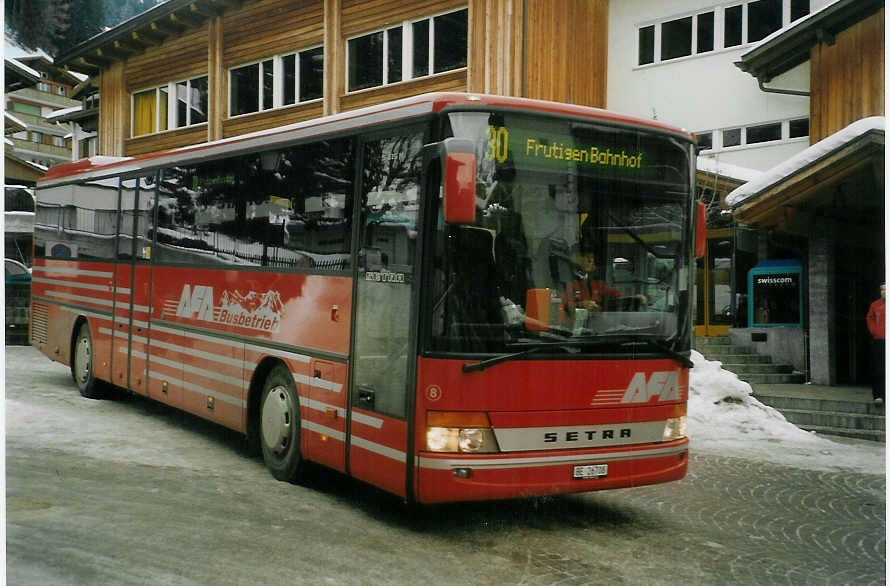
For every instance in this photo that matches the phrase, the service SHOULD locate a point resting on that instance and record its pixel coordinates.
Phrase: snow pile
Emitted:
(722, 407)
(725, 418)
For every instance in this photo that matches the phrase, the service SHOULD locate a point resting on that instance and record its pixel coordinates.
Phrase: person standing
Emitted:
(876, 325)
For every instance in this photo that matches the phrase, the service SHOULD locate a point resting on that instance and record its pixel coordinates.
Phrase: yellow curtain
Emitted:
(144, 112)
(162, 110)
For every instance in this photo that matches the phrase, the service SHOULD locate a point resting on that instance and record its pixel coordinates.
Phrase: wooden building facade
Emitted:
(824, 208)
(184, 72)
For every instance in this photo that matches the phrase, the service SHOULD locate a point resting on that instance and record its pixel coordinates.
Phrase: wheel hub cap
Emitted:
(277, 420)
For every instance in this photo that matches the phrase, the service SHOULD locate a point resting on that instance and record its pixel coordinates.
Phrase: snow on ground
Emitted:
(723, 418)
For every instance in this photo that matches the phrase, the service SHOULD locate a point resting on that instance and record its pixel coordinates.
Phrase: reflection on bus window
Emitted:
(285, 208)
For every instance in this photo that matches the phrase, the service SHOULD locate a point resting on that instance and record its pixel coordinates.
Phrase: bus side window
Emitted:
(309, 190)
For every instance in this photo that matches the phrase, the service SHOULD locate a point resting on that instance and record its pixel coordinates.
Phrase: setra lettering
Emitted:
(552, 437)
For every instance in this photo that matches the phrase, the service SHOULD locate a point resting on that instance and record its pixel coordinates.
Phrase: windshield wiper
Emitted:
(569, 346)
(478, 366)
(566, 344)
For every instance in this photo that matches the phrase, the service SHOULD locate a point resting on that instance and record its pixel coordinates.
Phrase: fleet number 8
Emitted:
(498, 144)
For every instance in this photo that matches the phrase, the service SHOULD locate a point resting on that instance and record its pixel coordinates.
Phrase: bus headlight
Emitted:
(459, 432)
(674, 428)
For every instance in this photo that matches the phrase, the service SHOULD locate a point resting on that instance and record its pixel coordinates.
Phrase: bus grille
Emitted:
(38, 322)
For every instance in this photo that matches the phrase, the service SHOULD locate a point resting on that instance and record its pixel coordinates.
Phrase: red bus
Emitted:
(399, 292)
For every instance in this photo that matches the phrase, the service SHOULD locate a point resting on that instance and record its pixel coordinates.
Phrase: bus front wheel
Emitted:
(82, 365)
(280, 425)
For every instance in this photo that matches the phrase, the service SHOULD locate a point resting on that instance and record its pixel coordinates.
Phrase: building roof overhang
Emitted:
(790, 46)
(18, 75)
(148, 29)
(813, 179)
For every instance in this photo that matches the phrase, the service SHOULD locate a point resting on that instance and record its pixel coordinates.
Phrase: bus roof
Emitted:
(403, 109)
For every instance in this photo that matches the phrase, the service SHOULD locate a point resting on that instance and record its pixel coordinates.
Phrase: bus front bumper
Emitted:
(459, 477)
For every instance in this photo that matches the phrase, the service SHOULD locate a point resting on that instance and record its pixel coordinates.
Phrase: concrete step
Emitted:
(864, 434)
(712, 341)
(848, 413)
(808, 418)
(819, 404)
(772, 379)
(759, 368)
(724, 350)
(740, 358)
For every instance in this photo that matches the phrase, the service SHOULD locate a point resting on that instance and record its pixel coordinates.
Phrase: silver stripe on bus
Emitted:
(187, 386)
(72, 297)
(374, 422)
(331, 433)
(70, 271)
(230, 343)
(122, 291)
(392, 453)
(322, 406)
(318, 383)
(80, 311)
(228, 360)
(556, 460)
(72, 284)
(236, 382)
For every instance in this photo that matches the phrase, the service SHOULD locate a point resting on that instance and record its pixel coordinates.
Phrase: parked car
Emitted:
(18, 301)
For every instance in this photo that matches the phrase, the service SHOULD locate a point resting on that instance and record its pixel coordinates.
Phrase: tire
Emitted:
(279, 425)
(82, 365)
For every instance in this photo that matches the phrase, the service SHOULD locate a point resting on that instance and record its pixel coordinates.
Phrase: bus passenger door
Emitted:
(383, 348)
(132, 285)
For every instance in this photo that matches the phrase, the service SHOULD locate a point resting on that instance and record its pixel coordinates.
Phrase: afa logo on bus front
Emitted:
(251, 310)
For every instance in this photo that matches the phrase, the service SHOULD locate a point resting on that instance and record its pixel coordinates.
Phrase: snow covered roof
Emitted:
(713, 166)
(810, 156)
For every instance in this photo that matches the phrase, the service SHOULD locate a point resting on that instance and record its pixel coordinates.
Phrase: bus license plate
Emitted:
(591, 471)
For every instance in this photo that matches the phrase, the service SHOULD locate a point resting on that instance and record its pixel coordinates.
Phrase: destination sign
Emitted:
(530, 147)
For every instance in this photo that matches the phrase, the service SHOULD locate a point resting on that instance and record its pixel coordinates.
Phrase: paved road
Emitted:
(127, 492)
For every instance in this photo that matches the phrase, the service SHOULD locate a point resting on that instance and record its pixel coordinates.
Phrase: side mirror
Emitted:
(459, 178)
(701, 229)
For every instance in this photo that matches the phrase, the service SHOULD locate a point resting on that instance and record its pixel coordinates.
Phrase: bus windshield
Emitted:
(580, 239)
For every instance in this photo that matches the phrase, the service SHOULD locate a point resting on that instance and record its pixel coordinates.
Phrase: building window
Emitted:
(173, 105)
(732, 26)
(415, 49)
(763, 133)
(647, 45)
(799, 128)
(754, 134)
(705, 33)
(732, 137)
(676, 38)
(244, 87)
(705, 140)
(695, 34)
(764, 18)
(281, 81)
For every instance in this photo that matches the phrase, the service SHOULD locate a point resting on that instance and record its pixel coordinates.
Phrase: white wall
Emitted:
(699, 92)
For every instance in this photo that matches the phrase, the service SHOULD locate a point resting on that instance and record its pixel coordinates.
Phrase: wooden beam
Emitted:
(188, 18)
(145, 39)
(206, 9)
(159, 32)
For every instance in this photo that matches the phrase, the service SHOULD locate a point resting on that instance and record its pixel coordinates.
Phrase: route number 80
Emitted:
(498, 144)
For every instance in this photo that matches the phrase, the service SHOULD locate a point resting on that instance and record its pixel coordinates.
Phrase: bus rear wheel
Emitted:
(280, 425)
(82, 365)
